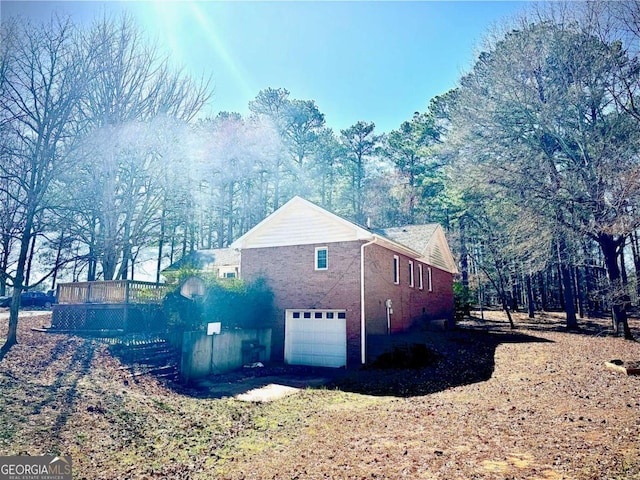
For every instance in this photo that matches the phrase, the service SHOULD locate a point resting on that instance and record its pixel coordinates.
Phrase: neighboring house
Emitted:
(335, 282)
(221, 262)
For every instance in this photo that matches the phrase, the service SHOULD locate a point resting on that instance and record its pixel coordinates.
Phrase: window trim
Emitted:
(396, 269)
(411, 278)
(429, 279)
(420, 277)
(315, 258)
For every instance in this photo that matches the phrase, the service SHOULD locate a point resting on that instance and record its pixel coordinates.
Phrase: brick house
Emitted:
(323, 269)
(220, 262)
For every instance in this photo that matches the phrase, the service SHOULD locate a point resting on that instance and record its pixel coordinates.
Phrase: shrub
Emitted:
(416, 355)
(234, 303)
(238, 304)
(181, 313)
(462, 298)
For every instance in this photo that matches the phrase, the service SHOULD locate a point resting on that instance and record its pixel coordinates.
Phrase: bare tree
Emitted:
(43, 86)
(130, 84)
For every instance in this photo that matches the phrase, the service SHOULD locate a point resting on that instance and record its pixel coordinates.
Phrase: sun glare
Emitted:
(168, 20)
(209, 30)
(186, 26)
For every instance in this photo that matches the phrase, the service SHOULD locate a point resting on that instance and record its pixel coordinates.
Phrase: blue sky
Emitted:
(372, 61)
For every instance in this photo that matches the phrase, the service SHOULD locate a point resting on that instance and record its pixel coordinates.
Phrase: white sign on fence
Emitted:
(214, 328)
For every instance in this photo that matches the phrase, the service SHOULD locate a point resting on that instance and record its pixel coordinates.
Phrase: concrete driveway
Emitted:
(260, 388)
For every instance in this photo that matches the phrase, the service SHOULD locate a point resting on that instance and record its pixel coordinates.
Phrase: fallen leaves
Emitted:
(536, 403)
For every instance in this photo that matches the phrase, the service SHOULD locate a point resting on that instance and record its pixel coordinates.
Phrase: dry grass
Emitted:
(537, 403)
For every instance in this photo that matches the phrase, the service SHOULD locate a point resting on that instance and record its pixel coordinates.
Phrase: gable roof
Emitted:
(429, 240)
(300, 222)
(413, 236)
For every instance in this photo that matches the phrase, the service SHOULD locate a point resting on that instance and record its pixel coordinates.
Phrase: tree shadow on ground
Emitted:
(453, 358)
(64, 391)
(461, 357)
(52, 403)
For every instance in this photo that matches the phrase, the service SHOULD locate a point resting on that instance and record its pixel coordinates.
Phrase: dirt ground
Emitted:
(534, 403)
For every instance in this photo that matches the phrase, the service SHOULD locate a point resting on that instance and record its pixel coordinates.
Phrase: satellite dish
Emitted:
(192, 287)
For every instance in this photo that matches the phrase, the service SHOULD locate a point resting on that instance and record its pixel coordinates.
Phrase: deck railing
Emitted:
(111, 291)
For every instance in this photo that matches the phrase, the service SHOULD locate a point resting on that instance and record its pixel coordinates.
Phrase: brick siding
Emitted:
(290, 273)
(412, 307)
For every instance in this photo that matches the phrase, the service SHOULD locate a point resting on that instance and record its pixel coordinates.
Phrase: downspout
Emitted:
(363, 333)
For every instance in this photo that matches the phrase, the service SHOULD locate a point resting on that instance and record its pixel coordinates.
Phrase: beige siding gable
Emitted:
(299, 222)
(438, 253)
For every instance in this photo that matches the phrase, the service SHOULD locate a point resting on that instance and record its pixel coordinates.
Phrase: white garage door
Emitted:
(315, 337)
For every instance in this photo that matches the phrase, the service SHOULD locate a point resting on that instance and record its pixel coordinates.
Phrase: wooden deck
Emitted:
(111, 291)
(115, 307)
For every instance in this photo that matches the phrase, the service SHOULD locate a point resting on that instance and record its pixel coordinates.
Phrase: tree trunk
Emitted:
(329, 204)
(360, 211)
(561, 295)
(530, 301)
(623, 266)
(579, 292)
(4, 264)
(172, 251)
(515, 295)
(12, 330)
(543, 291)
(57, 264)
(220, 224)
(160, 245)
(126, 249)
(505, 307)
(566, 284)
(464, 264)
(502, 291)
(192, 237)
(32, 251)
(209, 234)
(412, 190)
(229, 212)
(464, 255)
(185, 238)
(636, 259)
(619, 298)
(570, 309)
(93, 261)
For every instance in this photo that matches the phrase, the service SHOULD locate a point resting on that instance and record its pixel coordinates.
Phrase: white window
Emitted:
(396, 269)
(226, 271)
(429, 284)
(411, 273)
(322, 258)
(420, 277)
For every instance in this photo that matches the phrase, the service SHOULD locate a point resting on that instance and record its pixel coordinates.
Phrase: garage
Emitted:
(315, 337)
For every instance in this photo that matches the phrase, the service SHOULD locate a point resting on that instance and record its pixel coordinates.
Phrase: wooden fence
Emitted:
(116, 307)
(111, 291)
